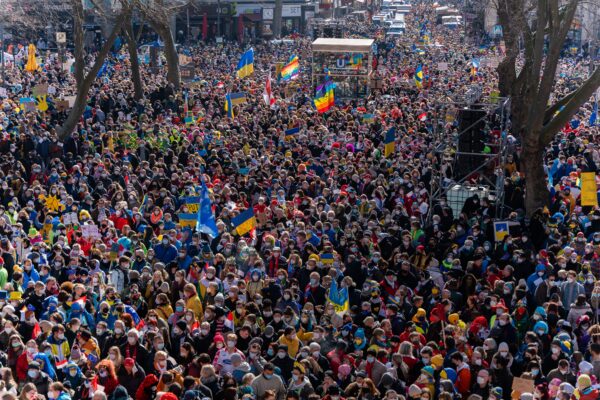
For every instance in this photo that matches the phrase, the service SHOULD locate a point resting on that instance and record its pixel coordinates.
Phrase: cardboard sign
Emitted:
(61, 105)
(589, 189)
(90, 231)
(70, 100)
(521, 385)
(40, 90)
(70, 219)
(192, 204)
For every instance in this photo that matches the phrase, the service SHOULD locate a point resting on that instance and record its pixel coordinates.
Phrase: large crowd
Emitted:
(107, 292)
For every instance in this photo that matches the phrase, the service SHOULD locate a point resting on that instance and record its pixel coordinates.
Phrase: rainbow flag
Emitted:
(324, 98)
(245, 66)
(419, 76)
(291, 70)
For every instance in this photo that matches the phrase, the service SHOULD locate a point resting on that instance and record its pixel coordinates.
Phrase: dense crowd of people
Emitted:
(109, 292)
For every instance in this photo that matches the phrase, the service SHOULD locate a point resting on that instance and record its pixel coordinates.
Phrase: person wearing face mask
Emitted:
(39, 378)
(130, 376)
(286, 301)
(59, 344)
(57, 391)
(553, 357)
(268, 381)
(283, 361)
(373, 367)
(222, 359)
(570, 290)
(165, 252)
(562, 372)
(535, 279)
(299, 384)
(107, 376)
(133, 349)
(73, 374)
(504, 331)
(256, 361)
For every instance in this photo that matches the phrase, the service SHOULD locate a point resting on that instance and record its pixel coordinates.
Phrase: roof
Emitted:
(336, 45)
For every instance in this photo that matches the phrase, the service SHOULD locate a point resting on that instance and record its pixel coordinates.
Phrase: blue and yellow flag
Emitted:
(245, 66)
(390, 142)
(237, 98)
(229, 106)
(289, 133)
(500, 230)
(419, 76)
(339, 298)
(244, 222)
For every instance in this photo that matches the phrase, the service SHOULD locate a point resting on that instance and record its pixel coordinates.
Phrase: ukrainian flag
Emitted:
(419, 76)
(500, 230)
(327, 258)
(368, 118)
(244, 222)
(245, 66)
(229, 106)
(237, 98)
(339, 298)
(390, 142)
(291, 132)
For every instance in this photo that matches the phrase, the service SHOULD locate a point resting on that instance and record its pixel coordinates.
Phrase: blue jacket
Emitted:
(165, 254)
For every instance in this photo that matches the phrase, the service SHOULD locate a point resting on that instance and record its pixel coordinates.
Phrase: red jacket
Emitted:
(463, 380)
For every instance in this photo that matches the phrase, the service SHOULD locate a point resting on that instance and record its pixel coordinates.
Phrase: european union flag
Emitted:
(206, 220)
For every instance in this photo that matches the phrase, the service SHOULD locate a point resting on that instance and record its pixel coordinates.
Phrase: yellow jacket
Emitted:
(195, 304)
(164, 311)
(292, 345)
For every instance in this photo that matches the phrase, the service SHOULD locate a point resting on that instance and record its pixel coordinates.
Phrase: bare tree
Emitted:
(85, 78)
(158, 14)
(539, 112)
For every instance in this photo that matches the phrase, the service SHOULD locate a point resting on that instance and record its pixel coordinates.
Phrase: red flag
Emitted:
(268, 95)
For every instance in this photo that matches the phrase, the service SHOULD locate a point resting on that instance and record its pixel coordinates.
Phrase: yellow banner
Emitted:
(589, 190)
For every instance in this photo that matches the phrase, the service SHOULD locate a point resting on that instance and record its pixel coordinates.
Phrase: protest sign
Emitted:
(589, 189)
(40, 90)
(90, 231)
(521, 385)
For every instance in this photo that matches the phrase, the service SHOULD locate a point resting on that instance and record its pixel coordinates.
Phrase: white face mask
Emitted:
(131, 340)
(480, 380)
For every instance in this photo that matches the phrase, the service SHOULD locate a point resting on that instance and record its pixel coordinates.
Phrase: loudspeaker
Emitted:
(471, 125)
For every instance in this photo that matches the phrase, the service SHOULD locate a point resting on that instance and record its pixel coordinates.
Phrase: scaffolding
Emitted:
(456, 188)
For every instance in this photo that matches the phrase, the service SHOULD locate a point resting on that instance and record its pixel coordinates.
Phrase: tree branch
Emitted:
(580, 96)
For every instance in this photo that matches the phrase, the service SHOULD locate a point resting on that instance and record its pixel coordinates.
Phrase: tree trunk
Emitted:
(133, 59)
(277, 16)
(532, 165)
(84, 87)
(171, 55)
